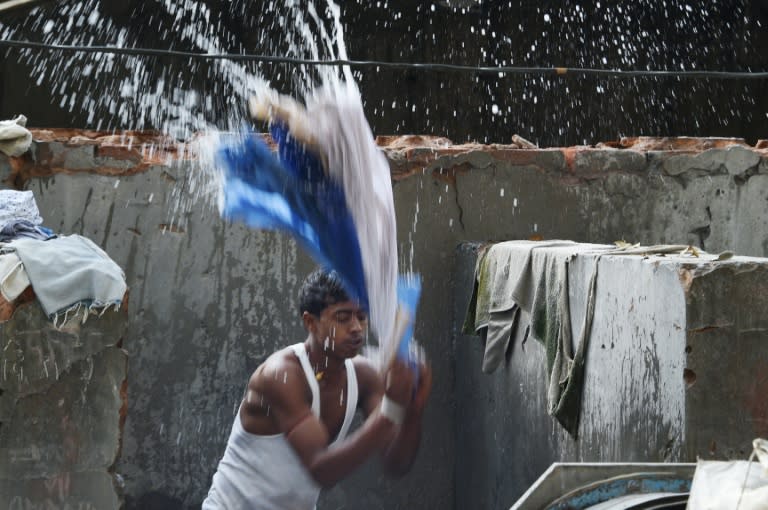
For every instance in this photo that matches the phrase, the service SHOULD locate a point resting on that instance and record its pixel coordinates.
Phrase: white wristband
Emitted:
(393, 411)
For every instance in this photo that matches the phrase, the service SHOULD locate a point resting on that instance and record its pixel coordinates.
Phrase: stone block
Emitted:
(36, 353)
(734, 160)
(763, 167)
(72, 426)
(62, 408)
(87, 490)
(739, 159)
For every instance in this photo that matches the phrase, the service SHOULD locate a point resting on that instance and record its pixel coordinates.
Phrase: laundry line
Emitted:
(500, 71)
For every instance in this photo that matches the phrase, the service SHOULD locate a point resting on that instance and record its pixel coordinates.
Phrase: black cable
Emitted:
(722, 75)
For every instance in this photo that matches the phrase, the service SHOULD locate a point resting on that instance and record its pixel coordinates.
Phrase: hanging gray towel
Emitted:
(498, 270)
(543, 292)
(69, 273)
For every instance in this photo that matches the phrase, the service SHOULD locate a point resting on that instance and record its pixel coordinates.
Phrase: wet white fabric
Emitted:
(13, 278)
(333, 125)
(15, 139)
(349, 149)
(264, 472)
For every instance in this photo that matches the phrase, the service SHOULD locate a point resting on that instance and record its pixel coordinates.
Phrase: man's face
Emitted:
(341, 329)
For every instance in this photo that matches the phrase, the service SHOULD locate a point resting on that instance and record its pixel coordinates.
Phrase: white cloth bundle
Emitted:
(15, 139)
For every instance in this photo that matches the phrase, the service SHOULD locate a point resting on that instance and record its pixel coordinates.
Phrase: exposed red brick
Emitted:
(652, 143)
(8, 307)
(570, 157)
(81, 140)
(516, 156)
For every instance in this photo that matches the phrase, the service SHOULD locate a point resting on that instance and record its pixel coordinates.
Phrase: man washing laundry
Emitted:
(290, 436)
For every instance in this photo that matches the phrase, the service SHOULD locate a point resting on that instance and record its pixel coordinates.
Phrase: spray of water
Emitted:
(189, 102)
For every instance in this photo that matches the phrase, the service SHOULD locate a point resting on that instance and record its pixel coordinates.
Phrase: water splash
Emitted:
(187, 101)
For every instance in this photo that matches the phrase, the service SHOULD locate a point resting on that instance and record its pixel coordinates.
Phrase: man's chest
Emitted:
(333, 407)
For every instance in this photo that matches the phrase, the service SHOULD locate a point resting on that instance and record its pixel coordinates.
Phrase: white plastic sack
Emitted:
(732, 485)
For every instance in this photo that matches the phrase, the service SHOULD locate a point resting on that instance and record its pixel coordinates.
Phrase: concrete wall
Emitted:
(209, 300)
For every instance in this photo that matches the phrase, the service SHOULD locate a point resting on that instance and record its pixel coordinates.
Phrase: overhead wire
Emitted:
(418, 66)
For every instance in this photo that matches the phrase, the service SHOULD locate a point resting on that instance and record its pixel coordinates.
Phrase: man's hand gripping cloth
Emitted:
(330, 188)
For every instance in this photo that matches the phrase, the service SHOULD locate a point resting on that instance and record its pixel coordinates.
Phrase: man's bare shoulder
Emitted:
(368, 376)
(277, 370)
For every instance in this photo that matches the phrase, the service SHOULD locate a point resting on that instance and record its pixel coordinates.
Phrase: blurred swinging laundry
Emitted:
(329, 186)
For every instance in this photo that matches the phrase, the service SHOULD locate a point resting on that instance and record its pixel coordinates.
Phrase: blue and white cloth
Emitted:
(329, 186)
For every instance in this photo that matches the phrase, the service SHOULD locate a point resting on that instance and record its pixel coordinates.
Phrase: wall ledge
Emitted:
(70, 151)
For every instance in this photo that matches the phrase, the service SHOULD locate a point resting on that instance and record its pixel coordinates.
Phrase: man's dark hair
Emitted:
(321, 289)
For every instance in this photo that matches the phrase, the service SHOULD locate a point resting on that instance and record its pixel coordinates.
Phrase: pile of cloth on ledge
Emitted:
(71, 277)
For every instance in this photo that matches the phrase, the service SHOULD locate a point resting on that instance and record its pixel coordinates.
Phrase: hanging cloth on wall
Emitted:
(533, 276)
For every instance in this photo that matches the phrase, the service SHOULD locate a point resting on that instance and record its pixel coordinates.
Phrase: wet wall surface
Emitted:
(210, 300)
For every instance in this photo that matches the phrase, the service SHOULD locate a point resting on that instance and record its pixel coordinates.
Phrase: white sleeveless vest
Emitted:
(264, 472)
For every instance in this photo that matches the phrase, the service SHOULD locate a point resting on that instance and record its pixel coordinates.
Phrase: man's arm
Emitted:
(308, 435)
(399, 456)
(400, 452)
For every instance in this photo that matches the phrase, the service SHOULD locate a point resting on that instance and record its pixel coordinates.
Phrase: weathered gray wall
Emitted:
(210, 300)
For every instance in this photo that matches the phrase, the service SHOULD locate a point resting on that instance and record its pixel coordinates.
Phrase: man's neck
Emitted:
(324, 363)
